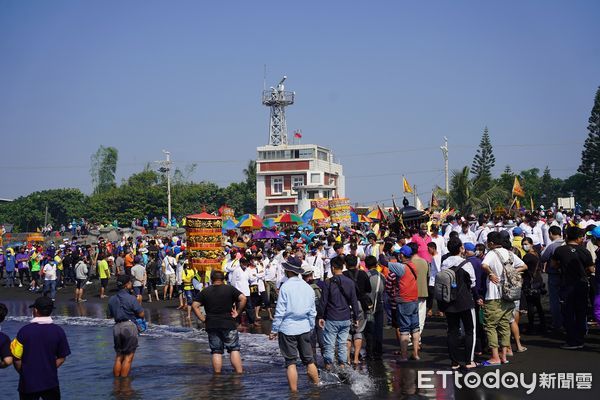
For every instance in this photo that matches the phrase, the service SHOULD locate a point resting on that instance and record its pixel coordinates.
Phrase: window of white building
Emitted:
(277, 185)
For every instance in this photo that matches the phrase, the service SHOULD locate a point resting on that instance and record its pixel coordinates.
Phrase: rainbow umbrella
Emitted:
(315, 214)
(289, 218)
(364, 218)
(229, 224)
(376, 214)
(251, 221)
(268, 222)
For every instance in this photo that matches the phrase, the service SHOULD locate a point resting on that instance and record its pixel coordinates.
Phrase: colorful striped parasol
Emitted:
(268, 222)
(251, 221)
(289, 218)
(229, 224)
(315, 214)
(376, 214)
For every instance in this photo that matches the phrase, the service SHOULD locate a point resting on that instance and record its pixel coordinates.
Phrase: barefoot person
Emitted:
(293, 323)
(222, 304)
(125, 309)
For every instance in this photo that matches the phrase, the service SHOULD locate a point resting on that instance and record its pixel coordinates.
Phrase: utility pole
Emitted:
(165, 168)
(444, 149)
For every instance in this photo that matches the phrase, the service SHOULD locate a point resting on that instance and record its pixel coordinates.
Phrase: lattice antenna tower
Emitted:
(278, 99)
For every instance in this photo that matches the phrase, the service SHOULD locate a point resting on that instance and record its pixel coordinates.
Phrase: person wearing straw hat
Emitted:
(294, 321)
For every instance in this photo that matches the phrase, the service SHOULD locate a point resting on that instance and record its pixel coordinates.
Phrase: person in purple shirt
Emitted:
(22, 260)
(39, 349)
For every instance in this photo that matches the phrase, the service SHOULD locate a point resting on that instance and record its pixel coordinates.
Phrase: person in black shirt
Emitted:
(461, 309)
(222, 304)
(6, 358)
(363, 288)
(573, 261)
(533, 285)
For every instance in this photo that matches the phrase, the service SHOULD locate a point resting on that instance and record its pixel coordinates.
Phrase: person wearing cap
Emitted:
(293, 323)
(316, 336)
(575, 263)
(518, 235)
(407, 301)
(38, 350)
(10, 268)
(125, 310)
(222, 305)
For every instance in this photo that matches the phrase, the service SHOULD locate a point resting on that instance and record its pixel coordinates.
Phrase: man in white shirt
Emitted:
(452, 226)
(439, 241)
(497, 311)
(466, 235)
(533, 230)
(314, 260)
(49, 271)
(168, 268)
(482, 232)
(239, 278)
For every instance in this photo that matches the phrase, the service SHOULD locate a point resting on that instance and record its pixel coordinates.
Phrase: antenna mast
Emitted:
(278, 99)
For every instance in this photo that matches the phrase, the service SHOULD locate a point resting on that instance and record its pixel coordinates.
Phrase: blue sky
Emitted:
(379, 82)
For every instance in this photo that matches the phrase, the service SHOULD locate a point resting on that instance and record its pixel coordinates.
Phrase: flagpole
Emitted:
(415, 194)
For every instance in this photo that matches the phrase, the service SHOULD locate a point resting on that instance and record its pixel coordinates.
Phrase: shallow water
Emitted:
(173, 361)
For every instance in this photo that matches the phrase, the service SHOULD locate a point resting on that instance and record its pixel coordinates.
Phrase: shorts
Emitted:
(152, 283)
(81, 283)
(189, 296)
(125, 337)
(35, 276)
(357, 333)
(104, 282)
(515, 311)
(408, 317)
(170, 279)
(291, 346)
(138, 290)
(220, 339)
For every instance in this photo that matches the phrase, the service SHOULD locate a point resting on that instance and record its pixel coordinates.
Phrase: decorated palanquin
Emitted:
(204, 241)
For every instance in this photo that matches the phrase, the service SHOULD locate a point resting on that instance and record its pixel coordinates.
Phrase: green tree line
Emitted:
(142, 194)
(474, 190)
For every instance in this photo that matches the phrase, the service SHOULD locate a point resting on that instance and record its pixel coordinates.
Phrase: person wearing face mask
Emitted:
(533, 286)
(532, 229)
(453, 226)
(574, 261)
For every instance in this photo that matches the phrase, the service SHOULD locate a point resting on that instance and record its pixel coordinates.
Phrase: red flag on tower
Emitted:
(297, 135)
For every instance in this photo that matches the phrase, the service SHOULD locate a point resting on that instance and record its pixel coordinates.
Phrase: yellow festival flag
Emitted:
(517, 203)
(407, 188)
(531, 200)
(517, 190)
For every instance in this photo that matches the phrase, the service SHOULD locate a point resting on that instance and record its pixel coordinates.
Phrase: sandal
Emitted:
(490, 364)
(505, 362)
(477, 365)
(523, 350)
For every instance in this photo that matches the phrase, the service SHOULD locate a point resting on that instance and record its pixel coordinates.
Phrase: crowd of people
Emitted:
(330, 292)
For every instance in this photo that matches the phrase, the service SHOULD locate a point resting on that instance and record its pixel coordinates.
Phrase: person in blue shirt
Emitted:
(10, 268)
(294, 321)
(125, 310)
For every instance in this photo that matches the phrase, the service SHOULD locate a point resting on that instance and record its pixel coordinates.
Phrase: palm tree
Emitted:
(467, 196)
